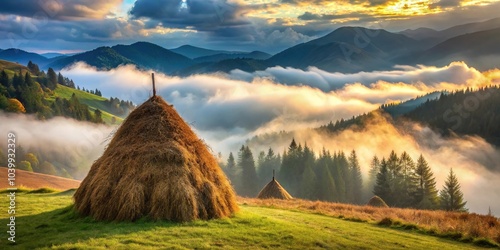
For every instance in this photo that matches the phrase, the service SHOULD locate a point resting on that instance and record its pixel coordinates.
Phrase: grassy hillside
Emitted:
(11, 68)
(45, 220)
(37, 180)
(93, 101)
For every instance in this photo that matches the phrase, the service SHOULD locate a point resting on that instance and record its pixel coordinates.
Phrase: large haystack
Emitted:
(376, 201)
(155, 166)
(273, 190)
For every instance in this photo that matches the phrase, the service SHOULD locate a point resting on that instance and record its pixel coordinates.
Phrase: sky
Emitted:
(268, 25)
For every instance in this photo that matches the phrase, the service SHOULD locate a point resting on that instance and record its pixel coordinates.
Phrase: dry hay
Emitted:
(155, 166)
(273, 190)
(376, 201)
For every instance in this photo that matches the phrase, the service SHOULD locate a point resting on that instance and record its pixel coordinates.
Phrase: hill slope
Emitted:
(463, 113)
(258, 55)
(253, 227)
(37, 180)
(194, 52)
(22, 57)
(102, 58)
(151, 56)
(479, 49)
(348, 49)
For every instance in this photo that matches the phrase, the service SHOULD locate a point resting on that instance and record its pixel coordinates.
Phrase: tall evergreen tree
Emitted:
(52, 79)
(355, 178)
(33, 68)
(290, 172)
(409, 180)
(426, 195)
(372, 177)
(451, 197)
(326, 188)
(248, 174)
(231, 170)
(382, 186)
(270, 163)
(4, 79)
(60, 79)
(308, 184)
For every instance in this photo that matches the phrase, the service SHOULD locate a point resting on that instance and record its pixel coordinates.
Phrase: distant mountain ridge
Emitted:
(151, 56)
(479, 49)
(22, 57)
(104, 58)
(346, 50)
(195, 52)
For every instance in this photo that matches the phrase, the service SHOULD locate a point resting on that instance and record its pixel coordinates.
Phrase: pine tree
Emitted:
(231, 170)
(290, 168)
(308, 184)
(357, 182)
(382, 187)
(452, 198)
(4, 79)
(326, 189)
(372, 177)
(248, 174)
(33, 68)
(426, 195)
(269, 164)
(52, 82)
(409, 180)
(60, 79)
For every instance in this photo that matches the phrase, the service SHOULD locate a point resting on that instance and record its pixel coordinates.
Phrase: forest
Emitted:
(397, 179)
(30, 92)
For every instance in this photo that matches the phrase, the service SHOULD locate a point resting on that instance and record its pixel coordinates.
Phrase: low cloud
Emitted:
(226, 112)
(65, 142)
(455, 74)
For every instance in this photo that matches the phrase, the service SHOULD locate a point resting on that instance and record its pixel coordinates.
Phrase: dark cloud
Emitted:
(445, 4)
(308, 16)
(204, 15)
(59, 9)
(76, 31)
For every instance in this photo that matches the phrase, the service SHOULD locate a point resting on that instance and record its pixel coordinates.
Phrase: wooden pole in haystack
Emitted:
(273, 174)
(154, 88)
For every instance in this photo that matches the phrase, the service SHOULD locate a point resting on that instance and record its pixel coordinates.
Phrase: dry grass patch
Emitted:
(482, 229)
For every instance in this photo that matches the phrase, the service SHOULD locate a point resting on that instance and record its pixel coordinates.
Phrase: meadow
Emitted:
(46, 220)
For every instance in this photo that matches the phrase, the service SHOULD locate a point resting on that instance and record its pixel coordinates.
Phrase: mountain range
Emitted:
(346, 49)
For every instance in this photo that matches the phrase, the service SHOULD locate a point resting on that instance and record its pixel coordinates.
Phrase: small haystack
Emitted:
(273, 190)
(155, 166)
(376, 201)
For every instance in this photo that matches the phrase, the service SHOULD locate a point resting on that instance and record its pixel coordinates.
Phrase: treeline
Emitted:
(29, 93)
(465, 112)
(93, 92)
(35, 162)
(337, 177)
(402, 182)
(119, 107)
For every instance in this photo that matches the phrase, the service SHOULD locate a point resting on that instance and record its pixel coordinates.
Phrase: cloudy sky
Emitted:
(268, 25)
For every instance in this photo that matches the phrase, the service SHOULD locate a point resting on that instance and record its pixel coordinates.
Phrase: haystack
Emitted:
(376, 201)
(274, 190)
(156, 167)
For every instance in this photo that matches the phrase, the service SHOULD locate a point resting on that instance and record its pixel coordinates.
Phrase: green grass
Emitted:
(48, 221)
(93, 101)
(12, 68)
